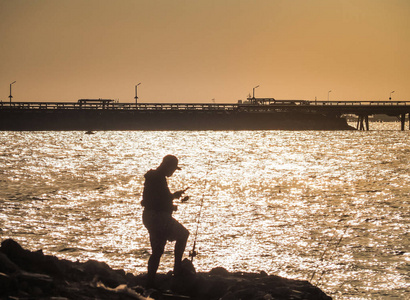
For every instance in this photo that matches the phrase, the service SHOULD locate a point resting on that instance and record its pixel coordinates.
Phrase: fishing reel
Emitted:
(192, 254)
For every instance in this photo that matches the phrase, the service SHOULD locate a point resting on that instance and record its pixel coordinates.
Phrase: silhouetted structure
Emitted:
(256, 114)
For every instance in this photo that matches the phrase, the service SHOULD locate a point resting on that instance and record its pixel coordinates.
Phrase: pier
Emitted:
(361, 109)
(84, 108)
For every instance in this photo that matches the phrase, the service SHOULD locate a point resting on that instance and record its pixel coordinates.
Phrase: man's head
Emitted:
(169, 165)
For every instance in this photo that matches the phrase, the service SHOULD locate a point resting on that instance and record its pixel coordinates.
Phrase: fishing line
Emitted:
(328, 246)
(337, 245)
(193, 252)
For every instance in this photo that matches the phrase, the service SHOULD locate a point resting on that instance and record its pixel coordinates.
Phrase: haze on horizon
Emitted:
(197, 51)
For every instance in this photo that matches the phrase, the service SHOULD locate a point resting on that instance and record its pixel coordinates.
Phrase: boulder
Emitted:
(27, 274)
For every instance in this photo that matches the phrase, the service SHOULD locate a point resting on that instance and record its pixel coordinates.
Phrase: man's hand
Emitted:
(178, 194)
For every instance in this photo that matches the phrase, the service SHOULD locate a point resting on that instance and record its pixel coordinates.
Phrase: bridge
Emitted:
(361, 109)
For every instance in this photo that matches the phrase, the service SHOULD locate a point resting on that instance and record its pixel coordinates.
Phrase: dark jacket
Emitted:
(156, 195)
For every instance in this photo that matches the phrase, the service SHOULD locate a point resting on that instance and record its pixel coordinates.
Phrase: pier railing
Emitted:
(116, 106)
(203, 106)
(260, 105)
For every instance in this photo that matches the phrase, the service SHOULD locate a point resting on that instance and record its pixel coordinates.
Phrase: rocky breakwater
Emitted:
(32, 275)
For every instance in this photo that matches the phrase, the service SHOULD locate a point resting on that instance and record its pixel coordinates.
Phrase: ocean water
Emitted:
(331, 207)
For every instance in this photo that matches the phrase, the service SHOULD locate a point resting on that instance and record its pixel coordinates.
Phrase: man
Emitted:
(157, 201)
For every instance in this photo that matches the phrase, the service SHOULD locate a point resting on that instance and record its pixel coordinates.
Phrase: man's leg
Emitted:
(157, 246)
(180, 245)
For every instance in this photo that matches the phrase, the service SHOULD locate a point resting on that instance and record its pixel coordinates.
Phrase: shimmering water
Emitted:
(326, 203)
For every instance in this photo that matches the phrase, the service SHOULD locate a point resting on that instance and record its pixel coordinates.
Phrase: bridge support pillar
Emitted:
(403, 121)
(362, 121)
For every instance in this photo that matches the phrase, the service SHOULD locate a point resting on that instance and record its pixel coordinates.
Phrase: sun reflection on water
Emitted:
(290, 203)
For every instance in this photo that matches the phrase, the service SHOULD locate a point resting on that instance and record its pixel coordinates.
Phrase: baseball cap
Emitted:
(170, 160)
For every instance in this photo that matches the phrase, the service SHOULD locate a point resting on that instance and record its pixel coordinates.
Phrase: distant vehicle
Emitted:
(283, 102)
(273, 101)
(95, 103)
(98, 101)
(290, 102)
(259, 101)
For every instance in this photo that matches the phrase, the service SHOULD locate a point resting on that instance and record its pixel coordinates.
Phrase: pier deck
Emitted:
(361, 109)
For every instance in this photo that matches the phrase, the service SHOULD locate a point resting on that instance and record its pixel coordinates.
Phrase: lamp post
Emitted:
(253, 96)
(136, 93)
(328, 94)
(390, 95)
(10, 90)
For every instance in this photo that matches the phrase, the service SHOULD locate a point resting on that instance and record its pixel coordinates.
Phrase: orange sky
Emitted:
(199, 50)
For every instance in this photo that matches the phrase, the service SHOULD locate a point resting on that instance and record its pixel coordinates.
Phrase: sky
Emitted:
(191, 51)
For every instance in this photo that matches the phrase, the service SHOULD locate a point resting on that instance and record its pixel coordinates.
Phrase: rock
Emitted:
(6, 265)
(26, 274)
(246, 293)
(5, 282)
(228, 296)
(102, 272)
(33, 279)
(219, 271)
(30, 261)
(188, 268)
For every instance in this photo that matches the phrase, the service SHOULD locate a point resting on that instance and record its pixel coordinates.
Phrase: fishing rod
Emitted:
(193, 252)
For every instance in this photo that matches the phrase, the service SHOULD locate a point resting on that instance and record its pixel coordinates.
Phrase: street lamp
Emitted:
(136, 93)
(254, 92)
(10, 91)
(390, 95)
(328, 94)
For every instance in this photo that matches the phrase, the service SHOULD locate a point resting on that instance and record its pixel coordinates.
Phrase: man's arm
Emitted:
(178, 194)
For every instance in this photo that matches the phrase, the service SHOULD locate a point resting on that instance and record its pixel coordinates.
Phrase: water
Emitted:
(329, 204)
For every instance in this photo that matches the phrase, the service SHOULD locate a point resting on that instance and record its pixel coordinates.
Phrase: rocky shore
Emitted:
(32, 275)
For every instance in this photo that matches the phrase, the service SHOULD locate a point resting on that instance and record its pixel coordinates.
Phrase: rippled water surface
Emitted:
(331, 207)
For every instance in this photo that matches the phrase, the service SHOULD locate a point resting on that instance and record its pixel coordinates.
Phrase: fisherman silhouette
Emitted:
(157, 201)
